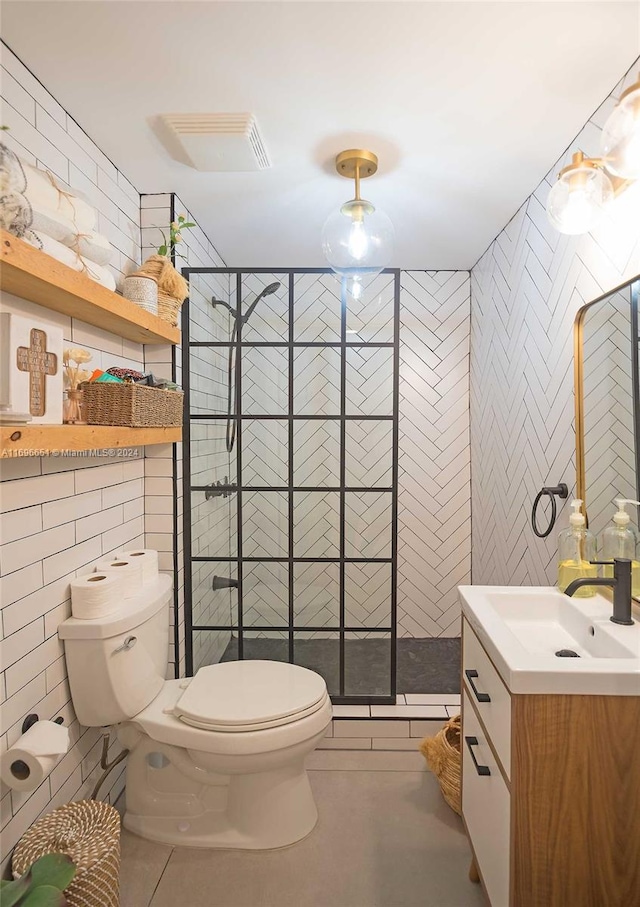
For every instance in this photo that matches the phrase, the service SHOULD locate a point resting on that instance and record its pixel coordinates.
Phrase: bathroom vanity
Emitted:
(551, 762)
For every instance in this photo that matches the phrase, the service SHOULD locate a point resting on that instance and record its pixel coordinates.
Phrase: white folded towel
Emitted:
(69, 257)
(54, 224)
(45, 191)
(93, 246)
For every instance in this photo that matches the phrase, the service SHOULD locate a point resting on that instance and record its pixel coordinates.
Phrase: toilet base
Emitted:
(248, 811)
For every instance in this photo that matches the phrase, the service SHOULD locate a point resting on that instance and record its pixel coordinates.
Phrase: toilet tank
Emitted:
(117, 665)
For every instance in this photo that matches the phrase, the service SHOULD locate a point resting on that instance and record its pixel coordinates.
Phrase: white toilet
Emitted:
(216, 760)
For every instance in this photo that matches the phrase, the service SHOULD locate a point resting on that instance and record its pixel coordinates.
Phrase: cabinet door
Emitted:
(485, 807)
(490, 697)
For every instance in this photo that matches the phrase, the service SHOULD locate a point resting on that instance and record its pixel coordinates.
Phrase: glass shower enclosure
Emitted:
(290, 473)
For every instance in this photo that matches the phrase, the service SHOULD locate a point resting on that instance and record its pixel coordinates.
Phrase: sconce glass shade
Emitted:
(358, 239)
(621, 137)
(577, 201)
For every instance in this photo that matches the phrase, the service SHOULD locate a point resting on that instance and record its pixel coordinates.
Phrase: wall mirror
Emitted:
(607, 403)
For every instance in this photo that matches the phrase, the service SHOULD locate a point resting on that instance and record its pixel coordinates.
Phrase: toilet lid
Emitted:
(250, 695)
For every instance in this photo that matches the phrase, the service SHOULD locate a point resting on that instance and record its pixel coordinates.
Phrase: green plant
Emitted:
(168, 247)
(42, 885)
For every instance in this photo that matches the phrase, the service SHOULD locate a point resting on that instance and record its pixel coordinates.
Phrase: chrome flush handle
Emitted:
(129, 643)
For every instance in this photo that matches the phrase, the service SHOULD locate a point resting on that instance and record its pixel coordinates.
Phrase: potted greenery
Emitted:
(172, 287)
(42, 885)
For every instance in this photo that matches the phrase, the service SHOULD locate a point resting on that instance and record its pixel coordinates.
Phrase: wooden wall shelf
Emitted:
(31, 274)
(54, 440)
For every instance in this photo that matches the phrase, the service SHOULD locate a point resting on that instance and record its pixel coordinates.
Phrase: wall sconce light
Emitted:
(587, 185)
(357, 240)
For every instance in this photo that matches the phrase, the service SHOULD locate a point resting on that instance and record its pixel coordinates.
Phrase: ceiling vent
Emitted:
(219, 141)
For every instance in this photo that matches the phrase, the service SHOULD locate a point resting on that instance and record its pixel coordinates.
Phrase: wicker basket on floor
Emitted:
(134, 405)
(88, 833)
(442, 753)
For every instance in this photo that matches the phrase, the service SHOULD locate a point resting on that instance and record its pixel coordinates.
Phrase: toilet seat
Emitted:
(241, 696)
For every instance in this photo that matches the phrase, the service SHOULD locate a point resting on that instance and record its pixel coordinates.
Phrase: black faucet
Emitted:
(621, 585)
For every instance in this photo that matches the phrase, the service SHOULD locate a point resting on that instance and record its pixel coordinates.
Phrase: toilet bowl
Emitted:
(216, 760)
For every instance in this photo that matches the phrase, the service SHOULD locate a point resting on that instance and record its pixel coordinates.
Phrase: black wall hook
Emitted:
(551, 492)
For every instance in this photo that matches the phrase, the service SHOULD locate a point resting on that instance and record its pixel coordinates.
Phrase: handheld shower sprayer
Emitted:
(238, 320)
(268, 291)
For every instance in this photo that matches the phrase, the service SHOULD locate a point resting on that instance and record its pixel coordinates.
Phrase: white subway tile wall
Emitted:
(61, 514)
(44, 135)
(525, 291)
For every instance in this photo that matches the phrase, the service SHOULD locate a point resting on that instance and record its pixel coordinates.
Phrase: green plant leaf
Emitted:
(11, 893)
(44, 896)
(54, 869)
(162, 250)
(189, 224)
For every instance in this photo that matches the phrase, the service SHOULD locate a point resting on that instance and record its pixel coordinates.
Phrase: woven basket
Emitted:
(88, 833)
(442, 753)
(134, 405)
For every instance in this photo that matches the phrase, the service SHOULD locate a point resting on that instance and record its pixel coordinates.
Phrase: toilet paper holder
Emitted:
(31, 719)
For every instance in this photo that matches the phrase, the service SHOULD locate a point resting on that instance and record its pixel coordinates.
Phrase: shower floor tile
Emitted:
(423, 665)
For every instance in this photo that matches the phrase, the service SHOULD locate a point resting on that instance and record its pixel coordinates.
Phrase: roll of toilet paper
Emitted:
(25, 765)
(148, 557)
(97, 594)
(129, 569)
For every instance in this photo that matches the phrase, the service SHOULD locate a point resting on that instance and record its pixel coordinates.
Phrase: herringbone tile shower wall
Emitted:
(434, 518)
(525, 292)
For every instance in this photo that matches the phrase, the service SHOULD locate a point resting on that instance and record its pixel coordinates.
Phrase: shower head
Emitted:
(268, 290)
(272, 288)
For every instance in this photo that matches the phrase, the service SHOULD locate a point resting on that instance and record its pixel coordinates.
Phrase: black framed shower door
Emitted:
(290, 541)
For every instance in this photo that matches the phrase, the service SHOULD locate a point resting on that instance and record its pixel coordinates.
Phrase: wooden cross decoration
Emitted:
(39, 363)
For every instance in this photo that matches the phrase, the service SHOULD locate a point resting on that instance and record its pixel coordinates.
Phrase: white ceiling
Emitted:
(466, 104)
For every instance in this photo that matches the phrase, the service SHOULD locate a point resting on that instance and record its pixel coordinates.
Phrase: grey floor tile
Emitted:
(142, 864)
(384, 839)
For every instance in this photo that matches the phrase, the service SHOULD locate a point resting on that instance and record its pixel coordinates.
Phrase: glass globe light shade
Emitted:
(577, 201)
(620, 140)
(358, 239)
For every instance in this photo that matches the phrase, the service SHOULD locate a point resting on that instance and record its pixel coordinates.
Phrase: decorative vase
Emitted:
(173, 289)
(74, 407)
(143, 291)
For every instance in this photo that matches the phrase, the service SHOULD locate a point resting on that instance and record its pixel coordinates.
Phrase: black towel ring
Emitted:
(561, 491)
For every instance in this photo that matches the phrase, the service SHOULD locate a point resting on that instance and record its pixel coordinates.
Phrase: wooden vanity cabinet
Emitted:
(550, 791)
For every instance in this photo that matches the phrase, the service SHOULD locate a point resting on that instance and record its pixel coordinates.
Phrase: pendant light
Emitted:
(621, 136)
(357, 240)
(577, 201)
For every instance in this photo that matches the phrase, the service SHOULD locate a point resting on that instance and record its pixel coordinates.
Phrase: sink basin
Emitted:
(522, 629)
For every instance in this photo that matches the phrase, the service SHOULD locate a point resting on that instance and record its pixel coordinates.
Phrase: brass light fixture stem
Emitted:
(357, 179)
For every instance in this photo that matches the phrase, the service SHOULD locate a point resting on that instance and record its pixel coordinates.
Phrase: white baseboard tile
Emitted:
(351, 711)
(408, 711)
(432, 698)
(345, 728)
(346, 743)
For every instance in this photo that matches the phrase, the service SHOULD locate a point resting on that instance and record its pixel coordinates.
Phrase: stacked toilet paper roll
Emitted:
(148, 558)
(96, 594)
(25, 765)
(128, 569)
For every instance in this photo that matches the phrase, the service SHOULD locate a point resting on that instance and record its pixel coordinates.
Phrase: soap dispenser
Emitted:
(621, 540)
(576, 550)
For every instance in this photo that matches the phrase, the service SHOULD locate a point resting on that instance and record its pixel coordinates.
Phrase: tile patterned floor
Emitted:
(431, 665)
(385, 838)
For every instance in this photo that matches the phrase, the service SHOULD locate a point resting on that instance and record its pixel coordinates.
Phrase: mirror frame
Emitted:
(578, 370)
